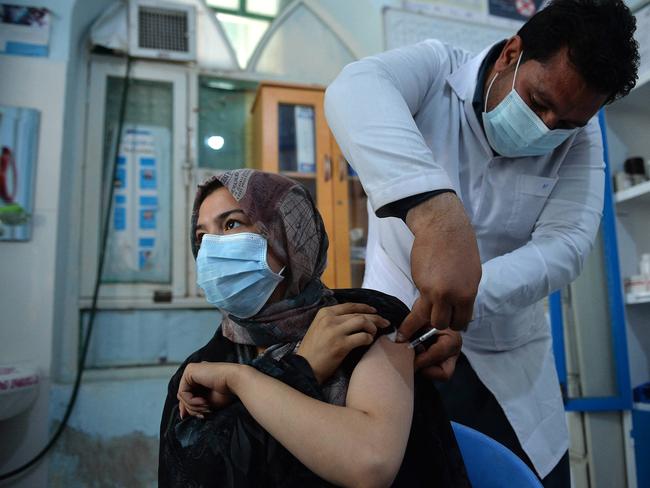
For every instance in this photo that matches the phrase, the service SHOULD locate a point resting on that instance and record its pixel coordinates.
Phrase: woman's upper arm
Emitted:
(385, 372)
(382, 386)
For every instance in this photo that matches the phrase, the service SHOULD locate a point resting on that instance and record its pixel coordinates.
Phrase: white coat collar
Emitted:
(463, 79)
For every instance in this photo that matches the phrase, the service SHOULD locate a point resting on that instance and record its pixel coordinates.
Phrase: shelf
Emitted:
(634, 299)
(299, 175)
(641, 406)
(640, 192)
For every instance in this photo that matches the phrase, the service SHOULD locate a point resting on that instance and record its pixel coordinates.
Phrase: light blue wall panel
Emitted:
(148, 337)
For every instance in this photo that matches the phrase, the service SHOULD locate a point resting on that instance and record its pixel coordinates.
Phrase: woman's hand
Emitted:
(205, 386)
(335, 331)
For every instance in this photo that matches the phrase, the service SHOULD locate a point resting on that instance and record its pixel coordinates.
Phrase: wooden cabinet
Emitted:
(291, 137)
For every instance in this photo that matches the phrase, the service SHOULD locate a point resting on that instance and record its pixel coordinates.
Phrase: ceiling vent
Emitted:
(162, 30)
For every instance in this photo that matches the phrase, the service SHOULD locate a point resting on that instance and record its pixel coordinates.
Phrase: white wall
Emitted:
(27, 297)
(360, 20)
(33, 281)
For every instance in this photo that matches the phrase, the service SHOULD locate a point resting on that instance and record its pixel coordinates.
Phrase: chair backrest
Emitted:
(490, 464)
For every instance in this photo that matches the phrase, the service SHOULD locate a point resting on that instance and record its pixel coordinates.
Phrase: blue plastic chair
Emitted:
(490, 464)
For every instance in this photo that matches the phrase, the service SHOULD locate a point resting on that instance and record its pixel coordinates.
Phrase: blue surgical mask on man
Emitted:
(233, 272)
(514, 130)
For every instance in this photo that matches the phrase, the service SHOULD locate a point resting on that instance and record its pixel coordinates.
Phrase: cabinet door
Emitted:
(340, 239)
(295, 141)
(351, 224)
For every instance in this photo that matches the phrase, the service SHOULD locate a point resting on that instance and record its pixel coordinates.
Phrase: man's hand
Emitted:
(439, 360)
(445, 265)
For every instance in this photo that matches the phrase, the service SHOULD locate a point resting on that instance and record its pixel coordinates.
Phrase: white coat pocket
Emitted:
(531, 193)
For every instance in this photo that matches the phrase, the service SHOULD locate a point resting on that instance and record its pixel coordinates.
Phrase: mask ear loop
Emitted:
(517, 69)
(487, 94)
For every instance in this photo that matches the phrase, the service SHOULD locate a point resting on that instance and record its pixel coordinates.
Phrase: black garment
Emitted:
(401, 208)
(230, 449)
(470, 403)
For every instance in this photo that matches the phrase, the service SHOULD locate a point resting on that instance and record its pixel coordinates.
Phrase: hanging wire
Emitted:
(93, 309)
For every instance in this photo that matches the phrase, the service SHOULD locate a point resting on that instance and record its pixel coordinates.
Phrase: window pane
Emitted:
(263, 7)
(229, 4)
(139, 248)
(296, 144)
(224, 137)
(296, 139)
(244, 34)
(288, 55)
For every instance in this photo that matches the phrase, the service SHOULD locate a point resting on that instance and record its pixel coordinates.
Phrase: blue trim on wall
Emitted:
(557, 329)
(613, 274)
(596, 404)
(25, 49)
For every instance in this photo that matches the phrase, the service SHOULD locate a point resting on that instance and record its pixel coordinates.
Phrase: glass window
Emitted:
(139, 248)
(296, 138)
(224, 136)
(227, 4)
(297, 144)
(263, 7)
(286, 53)
(244, 34)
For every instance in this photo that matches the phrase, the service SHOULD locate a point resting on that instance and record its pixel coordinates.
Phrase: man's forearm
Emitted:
(434, 212)
(445, 265)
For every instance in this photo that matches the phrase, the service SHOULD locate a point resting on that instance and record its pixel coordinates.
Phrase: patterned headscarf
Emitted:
(284, 213)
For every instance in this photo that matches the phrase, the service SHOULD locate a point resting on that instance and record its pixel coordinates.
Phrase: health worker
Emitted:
(485, 178)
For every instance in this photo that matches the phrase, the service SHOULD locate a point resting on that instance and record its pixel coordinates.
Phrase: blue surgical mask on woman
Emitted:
(514, 130)
(233, 272)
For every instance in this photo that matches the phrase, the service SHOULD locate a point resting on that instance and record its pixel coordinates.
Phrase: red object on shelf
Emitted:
(7, 164)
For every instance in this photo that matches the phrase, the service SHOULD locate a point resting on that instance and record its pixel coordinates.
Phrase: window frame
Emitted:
(125, 295)
(242, 11)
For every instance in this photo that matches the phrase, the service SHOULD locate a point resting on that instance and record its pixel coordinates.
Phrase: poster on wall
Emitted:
(515, 9)
(139, 238)
(18, 150)
(24, 31)
(402, 28)
(504, 14)
(456, 8)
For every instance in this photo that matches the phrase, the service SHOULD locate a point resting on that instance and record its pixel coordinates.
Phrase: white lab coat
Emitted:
(404, 120)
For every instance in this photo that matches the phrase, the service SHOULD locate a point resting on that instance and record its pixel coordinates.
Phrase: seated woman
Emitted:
(299, 387)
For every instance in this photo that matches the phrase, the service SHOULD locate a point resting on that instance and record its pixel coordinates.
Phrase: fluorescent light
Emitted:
(215, 142)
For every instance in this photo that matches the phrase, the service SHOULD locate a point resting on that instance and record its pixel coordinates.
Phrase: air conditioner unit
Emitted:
(162, 30)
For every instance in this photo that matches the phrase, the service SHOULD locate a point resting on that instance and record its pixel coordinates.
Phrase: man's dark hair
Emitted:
(599, 38)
